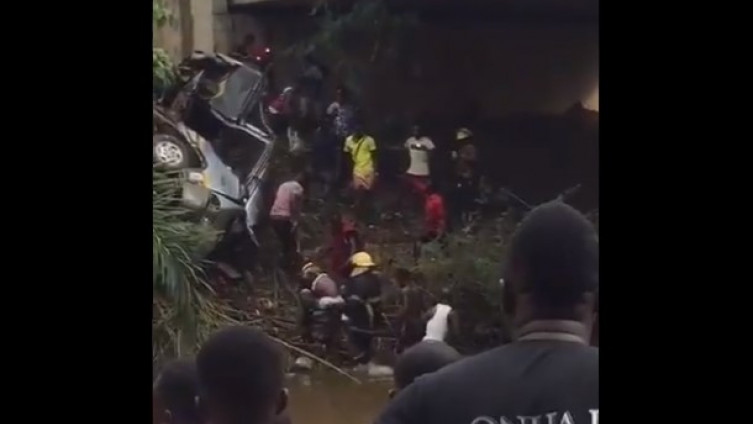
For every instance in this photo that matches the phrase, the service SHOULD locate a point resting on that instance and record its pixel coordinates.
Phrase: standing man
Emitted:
(549, 374)
(285, 212)
(412, 307)
(362, 151)
(432, 352)
(342, 112)
(419, 148)
(465, 186)
(435, 220)
(346, 242)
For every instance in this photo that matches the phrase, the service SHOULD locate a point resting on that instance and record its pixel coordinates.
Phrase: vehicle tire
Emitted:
(170, 152)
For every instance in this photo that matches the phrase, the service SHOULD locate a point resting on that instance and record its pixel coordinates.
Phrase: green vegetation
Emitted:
(162, 67)
(184, 306)
(341, 36)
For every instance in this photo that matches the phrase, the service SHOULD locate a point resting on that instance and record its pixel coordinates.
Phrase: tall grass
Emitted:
(183, 309)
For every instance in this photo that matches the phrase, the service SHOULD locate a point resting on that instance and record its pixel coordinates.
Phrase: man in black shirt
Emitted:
(549, 374)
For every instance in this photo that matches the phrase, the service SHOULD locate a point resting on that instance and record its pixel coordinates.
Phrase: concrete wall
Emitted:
(170, 37)
(192, 27)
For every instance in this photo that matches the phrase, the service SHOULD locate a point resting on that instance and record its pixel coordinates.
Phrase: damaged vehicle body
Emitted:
(211, 129)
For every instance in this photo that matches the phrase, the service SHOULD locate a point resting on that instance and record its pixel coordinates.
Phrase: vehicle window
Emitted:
(238, 86)
(240, 150)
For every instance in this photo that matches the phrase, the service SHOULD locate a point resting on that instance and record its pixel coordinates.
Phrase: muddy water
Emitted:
(329, 398)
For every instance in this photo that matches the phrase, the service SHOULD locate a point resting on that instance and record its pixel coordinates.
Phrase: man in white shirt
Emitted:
(432, 352)
(419, 148)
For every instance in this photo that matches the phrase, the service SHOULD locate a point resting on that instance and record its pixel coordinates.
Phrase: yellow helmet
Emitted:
(463, 134)
(362, 260)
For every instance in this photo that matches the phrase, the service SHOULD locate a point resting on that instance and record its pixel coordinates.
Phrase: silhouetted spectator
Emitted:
(174, 394)
(549, 373)
(241, 378)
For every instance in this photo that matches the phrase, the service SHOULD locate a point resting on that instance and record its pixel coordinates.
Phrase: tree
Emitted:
(353, 40)
(162, 67)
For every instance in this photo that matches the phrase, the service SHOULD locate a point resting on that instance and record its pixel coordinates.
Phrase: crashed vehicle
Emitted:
(211, 128)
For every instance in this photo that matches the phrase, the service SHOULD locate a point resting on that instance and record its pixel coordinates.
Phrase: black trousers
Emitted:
(463, 195)
(362, 343)
(288, 241)
(360, 329)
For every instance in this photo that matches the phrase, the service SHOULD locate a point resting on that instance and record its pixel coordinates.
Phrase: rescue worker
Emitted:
(321, 301)
(465, 184)
(362, 294)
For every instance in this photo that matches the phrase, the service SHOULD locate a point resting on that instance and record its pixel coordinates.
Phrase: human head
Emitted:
(415, 130)
(552, 268)
(419, 360)
(174, 394)
(241, 375)
(358, 128)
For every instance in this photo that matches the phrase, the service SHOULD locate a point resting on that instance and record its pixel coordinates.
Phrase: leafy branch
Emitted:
(343, 37)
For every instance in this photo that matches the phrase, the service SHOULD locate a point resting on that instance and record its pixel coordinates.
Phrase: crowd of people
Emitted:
(548, 373)
(550, 281)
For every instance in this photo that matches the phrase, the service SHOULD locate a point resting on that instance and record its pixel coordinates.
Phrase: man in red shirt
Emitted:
(435, 219)
(346, 241)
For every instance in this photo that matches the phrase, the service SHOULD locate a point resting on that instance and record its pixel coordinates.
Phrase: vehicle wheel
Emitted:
(171, 152)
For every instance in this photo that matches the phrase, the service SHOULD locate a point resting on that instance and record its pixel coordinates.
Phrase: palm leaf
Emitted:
(177, 277)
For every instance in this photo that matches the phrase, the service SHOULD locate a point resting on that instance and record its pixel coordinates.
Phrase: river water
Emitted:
(329, 398)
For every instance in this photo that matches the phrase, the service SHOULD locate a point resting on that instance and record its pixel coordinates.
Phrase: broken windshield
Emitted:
(237, 88)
